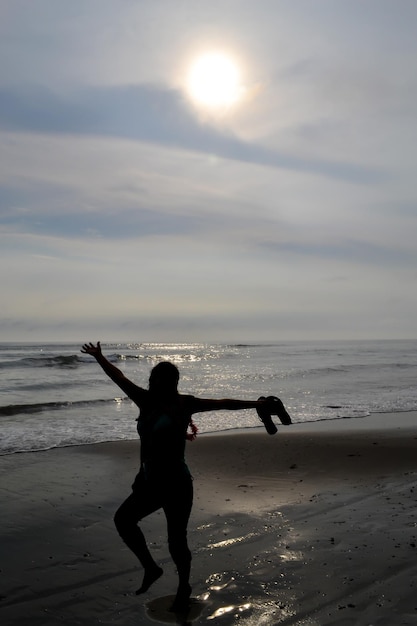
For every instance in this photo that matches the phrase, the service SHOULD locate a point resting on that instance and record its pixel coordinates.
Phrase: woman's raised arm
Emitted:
(111, 370)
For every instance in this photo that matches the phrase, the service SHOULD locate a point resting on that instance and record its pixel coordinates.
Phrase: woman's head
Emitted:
(164, 378)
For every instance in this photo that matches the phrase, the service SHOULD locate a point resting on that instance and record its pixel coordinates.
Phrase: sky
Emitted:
(137, 206)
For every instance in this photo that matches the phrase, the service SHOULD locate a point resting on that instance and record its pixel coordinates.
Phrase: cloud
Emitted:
(124, 211)
(154, 114)
(48, 210)
(355, 251)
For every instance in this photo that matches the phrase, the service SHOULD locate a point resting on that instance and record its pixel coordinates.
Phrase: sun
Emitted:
(214, 81)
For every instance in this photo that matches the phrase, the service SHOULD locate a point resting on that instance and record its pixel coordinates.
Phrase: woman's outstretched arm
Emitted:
(205, 404)
(265, 408)
(111, 370)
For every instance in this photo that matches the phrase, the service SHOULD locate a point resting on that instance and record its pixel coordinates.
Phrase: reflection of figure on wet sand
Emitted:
(164, 480)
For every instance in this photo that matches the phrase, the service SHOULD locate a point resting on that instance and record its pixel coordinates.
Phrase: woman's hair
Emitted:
(164, 378)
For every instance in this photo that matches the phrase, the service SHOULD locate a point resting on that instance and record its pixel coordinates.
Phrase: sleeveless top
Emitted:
(162, 433)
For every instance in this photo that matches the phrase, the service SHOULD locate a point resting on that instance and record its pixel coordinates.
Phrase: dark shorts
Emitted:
(171, 491)
(175, 497)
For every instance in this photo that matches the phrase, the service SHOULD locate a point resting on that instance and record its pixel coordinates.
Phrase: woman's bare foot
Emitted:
(149, 577)
(182, 599)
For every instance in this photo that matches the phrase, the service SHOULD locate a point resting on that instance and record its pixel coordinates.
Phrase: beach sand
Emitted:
(314, 526)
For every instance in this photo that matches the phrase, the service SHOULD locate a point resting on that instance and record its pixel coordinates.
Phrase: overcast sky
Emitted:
(132, 210)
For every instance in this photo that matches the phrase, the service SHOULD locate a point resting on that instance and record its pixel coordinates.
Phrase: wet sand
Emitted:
(314, 526)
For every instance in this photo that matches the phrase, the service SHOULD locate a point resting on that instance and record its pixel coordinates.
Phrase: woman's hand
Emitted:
(90, 348)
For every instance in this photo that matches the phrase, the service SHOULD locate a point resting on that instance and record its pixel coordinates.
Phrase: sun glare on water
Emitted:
(214, 81)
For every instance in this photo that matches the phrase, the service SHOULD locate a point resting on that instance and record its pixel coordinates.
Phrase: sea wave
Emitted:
(312, 372)
(38, 407)
(175, 357)
(69, 361)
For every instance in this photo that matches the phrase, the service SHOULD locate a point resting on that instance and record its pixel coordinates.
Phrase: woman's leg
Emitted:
(177, 509)
(138, 505)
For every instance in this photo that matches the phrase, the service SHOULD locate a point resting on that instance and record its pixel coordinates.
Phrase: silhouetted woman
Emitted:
(164, 480)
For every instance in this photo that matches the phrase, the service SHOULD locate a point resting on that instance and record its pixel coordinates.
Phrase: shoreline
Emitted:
(378, 420)
(315, 525)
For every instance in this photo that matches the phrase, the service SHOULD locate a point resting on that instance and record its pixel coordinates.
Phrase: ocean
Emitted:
(52, 395)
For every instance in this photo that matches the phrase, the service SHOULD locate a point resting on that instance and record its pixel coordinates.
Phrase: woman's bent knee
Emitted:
(123, 522)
